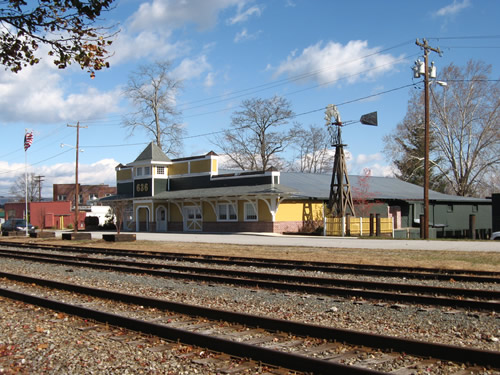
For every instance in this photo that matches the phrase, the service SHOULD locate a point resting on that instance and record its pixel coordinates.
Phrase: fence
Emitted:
(359, 226)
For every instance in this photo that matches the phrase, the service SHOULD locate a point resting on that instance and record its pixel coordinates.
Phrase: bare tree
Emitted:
(153, 90)
(314, 151)
(405, 147)
(465, 125)
(65, 26)
(254, 141)
(116, 212)
(18, 188)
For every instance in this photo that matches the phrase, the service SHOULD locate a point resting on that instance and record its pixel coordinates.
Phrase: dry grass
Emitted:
(486, 261)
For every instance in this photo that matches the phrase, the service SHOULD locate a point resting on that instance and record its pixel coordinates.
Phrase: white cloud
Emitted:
(244, 35)
(243, 15)
(128, 46)
(148, 31)
(38, 94)
(454, 8)
(190, 68)
(374, 162)
(209, 80)
(326, 64)
(100, 172)
(172, 14)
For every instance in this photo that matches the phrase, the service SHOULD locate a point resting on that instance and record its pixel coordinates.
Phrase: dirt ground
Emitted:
(486, 261)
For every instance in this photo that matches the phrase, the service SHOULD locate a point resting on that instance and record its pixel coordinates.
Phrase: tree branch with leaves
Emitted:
(67, 27)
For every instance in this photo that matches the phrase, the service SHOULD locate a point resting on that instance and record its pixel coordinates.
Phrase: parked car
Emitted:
(495, 236)
(17, 225)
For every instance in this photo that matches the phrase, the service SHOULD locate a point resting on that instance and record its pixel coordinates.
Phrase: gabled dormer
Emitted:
(146, 175)
(151, 161)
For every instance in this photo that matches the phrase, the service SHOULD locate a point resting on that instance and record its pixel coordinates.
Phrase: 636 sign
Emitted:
(142, 188)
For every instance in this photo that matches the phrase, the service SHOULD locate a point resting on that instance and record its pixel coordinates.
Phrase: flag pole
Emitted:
(26, 183)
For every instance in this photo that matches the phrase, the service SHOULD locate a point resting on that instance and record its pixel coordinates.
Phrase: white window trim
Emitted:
(256, 209)
(228, 218)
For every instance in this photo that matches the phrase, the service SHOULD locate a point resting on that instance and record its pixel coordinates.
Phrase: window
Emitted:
(475, 208)
(276, 180)
(250, 211)
(146, 170)
(92, 196)
(138, 171)
(226, 212)
(61, 197)
(450, 208)
(80, 199)
(160, 170)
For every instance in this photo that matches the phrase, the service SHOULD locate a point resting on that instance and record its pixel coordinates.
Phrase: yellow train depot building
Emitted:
(191, 194)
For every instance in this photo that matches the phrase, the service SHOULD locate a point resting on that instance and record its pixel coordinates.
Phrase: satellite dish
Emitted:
(369, 119)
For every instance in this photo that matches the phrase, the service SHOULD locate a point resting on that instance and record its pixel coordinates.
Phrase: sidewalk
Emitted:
(272, 239)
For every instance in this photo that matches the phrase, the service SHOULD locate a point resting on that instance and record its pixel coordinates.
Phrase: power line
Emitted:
(469, 47)
(465, 37)
(266, 86)
(38, 162)
(291, 117)
(284, 81)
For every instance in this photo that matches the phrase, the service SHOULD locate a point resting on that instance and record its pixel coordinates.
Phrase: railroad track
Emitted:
(420, 273)
(304, 347)
(476, 299)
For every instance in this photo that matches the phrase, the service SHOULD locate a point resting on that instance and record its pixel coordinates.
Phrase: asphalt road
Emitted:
(316, 241)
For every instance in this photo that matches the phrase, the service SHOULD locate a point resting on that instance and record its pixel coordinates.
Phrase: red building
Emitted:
(60, 213)
(46, 215)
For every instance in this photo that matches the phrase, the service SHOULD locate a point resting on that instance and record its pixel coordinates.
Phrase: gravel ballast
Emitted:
(440, 325)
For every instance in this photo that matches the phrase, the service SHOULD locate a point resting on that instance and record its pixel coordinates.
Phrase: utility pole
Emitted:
(39, 180)
(425, 46)
(77, 193)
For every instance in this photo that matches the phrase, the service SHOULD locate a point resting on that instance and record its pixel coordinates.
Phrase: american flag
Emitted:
(28, 140)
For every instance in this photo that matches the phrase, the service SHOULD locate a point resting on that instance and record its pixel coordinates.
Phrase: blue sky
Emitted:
(312, 52)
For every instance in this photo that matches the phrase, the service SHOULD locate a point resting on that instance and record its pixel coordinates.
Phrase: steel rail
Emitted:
(462, 292)
(238, 349)
(382, 342)
(307, 288)
(343, 268)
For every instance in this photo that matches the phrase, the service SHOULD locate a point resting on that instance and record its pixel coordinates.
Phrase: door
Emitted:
(161, 219)
(192, 219)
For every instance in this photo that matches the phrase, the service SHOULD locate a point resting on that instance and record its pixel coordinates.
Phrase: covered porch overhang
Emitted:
(272, 195)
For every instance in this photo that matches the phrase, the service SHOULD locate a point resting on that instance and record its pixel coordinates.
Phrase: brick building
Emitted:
(47, 215)
(87, 193)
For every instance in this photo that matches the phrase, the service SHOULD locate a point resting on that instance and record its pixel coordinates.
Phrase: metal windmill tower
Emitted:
(340, 188)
